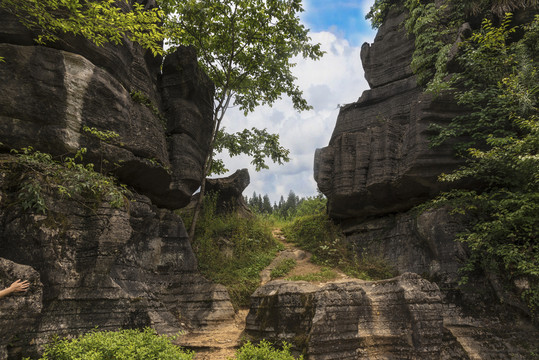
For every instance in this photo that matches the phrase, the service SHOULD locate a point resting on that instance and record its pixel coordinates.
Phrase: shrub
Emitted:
(264, 351)
(41, 174)
(325, 274)
(232, 250)
(118, 345)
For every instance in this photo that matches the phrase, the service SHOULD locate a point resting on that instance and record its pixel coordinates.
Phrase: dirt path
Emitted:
(217, 343)
(222, 341)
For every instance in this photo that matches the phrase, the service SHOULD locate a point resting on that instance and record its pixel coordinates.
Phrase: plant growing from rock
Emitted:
(495, 76)
(42, 175)
(283, 268)
(98, 21)
(232, 250)
(264, 351)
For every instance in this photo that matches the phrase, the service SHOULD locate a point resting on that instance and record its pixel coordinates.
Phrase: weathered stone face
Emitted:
(397, 318)
(19, 312)
(377, 168)
(49, 94)
(378, 160)
(104, 267)
(89, 264)
(406, 317)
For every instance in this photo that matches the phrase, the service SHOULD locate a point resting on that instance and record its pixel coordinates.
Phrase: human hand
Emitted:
(19, 286)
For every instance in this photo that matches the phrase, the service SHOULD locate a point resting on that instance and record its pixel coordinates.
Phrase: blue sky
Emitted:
(345, 18)
(340, 27)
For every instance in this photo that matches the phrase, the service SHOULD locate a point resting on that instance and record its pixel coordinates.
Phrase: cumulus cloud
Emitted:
(334, 80)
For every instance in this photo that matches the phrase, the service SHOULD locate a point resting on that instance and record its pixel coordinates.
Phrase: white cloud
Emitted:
(335, 79)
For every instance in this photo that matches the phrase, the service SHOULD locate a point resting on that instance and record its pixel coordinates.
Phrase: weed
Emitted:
(232, 250)
(123, 344)
(283, 268)
(325, 274)
(320, 236)
(67, 178)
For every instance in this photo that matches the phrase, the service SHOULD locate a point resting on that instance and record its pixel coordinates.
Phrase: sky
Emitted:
(340, 27)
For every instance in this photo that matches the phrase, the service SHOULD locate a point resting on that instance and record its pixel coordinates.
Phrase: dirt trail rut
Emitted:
(221, 342)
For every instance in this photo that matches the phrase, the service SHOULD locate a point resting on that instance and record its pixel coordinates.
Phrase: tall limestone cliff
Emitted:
(89, 264)
(377, 167)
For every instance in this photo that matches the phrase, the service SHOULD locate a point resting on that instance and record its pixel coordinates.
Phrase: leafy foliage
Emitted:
(264, 351)
(103, 135)
(319, 235)
(325, 274)
(256, 143)
(246, 48)
(498, 137)
(378, 12)
(67, 178)
(232, 250)
(283, 268)
(99, 21)
(120, 345)
(292, 207)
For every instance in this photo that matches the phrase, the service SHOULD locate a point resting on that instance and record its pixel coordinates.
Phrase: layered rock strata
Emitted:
(52, 96)
(379, 165)
(91, 265)
(378, 160)
(400, 318)
(96, 266)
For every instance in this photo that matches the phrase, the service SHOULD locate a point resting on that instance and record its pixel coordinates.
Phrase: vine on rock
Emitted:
(41, 174)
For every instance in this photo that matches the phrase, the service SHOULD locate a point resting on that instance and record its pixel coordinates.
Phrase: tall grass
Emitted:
(320, 236)
(232, 250)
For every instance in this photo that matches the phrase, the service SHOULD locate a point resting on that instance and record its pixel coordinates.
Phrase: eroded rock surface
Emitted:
(400, 318)
(90, 264)
(105, 267)
(51, 94)
(378, 166)
(378, 160)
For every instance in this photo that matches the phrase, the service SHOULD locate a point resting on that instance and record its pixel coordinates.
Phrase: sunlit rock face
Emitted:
(406, 317)
(91, 265)
(378, 160)
(50, 95)
(398, 318)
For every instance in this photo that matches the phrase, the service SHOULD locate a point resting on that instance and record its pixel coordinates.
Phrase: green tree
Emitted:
(99, 21)
(246, 47)
(498, 137)
(500, 80)
(266, 205)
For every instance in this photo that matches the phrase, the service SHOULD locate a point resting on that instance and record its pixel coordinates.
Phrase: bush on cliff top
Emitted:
(264, 351)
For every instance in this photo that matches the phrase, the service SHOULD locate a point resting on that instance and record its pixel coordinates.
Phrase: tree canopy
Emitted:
(99, 21)
(247, 49)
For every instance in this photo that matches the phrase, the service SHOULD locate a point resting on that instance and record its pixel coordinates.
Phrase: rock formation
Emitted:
(228, 192)
(400, 318)
(90, 264)
(378, 160)
(51, 94)
(377, 167)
